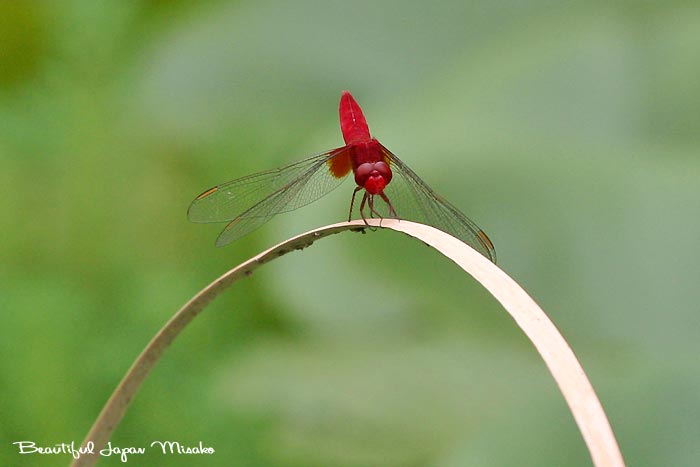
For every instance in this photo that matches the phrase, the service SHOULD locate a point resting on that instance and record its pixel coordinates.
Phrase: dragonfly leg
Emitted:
(362, 206)
(372, 211)
(392, 212)
(352, 203)
(369, 199)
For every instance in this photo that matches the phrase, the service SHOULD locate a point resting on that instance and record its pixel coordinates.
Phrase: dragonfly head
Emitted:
(373, 176)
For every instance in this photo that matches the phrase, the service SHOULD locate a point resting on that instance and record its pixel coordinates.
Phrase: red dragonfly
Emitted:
(390, 189)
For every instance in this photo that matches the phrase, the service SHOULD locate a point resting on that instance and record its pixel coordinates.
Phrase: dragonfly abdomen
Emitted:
(352, 121)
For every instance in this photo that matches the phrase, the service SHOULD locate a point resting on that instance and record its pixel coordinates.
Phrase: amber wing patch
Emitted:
(340, 164)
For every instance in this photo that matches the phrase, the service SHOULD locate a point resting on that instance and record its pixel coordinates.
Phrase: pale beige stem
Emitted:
(559, 358)
(555, 352)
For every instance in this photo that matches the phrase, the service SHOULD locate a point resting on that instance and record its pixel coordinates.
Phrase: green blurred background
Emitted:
(569, 130)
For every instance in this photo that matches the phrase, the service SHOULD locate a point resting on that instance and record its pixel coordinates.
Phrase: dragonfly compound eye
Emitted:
(373, 176)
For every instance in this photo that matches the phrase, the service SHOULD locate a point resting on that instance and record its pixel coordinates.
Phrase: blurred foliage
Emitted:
(567, 130)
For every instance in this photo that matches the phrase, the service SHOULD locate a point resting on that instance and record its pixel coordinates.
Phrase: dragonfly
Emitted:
(385, 188)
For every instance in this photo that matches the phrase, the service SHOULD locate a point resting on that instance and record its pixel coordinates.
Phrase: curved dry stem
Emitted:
(558, 356)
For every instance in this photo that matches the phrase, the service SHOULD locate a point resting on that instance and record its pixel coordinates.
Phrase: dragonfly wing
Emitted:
(296, 185)
(233, 199)
(414, 200)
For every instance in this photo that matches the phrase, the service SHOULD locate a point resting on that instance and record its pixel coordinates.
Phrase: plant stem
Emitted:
(557, 354)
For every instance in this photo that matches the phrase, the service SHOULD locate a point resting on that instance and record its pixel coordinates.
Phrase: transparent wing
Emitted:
(232, 199)
(414, 200)
(251, 201)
